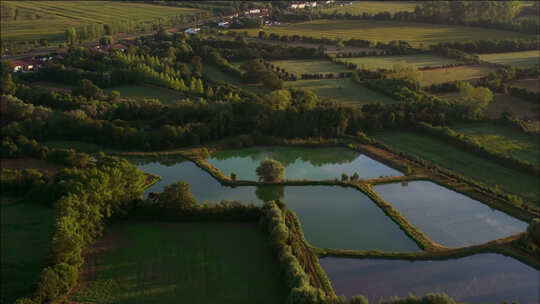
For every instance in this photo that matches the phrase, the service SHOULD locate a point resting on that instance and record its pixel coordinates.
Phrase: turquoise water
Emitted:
(481, 278)
(448, 217)
(300, 163)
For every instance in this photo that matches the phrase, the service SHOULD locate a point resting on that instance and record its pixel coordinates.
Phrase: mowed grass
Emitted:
(529, 84)
(514, 59)
(387, 62)
(463, 73)
(143, 92)
(56, 16)
(386, 31)
(27, 230)
(503, 139)
(341, 89)
(374, 7)
(159, 262)
(215, 74)
(308, 66)
(463, 162)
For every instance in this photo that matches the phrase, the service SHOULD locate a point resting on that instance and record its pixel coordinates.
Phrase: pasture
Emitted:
(215, 74)
(503, 139)
(385, 31)
(387, 62)
(340, 89)
(373, 7)
(529, 84)
(308, 66)
(159, 262)
(514, 59)
(27, 229)
(463, 73)
(463, 162)
(145, 92)
(34, 20)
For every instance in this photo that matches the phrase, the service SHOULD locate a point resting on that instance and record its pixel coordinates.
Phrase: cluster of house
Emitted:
(108, 48)
(29, 64)
(304, 4)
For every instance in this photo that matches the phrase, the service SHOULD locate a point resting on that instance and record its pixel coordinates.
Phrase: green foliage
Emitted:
(476, 98)
(431, 298)
(176, 196)
(71, 35)
(358, 300)
(270, 170)
(87, 89)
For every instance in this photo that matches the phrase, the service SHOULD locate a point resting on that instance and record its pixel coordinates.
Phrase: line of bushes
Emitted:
(455, 54)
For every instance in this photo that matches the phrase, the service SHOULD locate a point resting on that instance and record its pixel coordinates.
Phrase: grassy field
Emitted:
(143, 92)
(529, 84)
(308, 66)
(464, 73)
(374, 7)
(463, 162)
(514, 59)
(341, 89)
(386, 31)
(27, 230)
(49, 19)
(142, 262)
(387, 62)
(503, 139)
(217, 75)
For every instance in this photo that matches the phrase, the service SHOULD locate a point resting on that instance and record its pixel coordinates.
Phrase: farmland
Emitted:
(216, 75)
(463, 73)
(359, 7)
(145, 92)
(26, 234)
(299, 67)
(514, 59)
(503, 139)
(188, 263)
(387, 62)
(463, 162)
(529, 84)
(49, 19)
(341, 89)
(386, 31)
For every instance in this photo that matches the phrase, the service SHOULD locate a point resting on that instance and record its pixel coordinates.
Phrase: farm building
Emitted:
(26, 65)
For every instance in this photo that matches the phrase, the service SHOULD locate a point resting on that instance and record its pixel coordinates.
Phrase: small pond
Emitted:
(300, 163)
(331, 216)
(448, 217)
(481, 278)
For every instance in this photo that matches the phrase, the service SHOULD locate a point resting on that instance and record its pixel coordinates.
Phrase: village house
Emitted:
(26, 65)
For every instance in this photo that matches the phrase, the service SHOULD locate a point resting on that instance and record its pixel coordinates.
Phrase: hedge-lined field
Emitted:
(373, 7)
(387, 62)
(308, 66)
(341, 89)
(158, 262)
(466, 163)
(27, 229)
(49, 19)
(503, 139)
(215, 74)
(144, 92)
(529, 84)
(463, 73)
(386, 31)
(515, 59)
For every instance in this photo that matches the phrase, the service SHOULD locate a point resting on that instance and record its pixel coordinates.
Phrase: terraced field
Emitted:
(387, 62)
(386, 31)
(514, 59)
(49, 19)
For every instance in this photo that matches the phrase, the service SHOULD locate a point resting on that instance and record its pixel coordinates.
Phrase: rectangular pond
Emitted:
(480, 278)
(448, 217)
(331, 216)
(300, 163)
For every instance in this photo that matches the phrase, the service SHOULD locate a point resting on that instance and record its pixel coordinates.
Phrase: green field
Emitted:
(514, 59)
(387, 62)
(373, 7)
(49, 19)
(463, 73)
(27, 230)
(143, 92)
(157, 262)
(341, 89)
(309, 66)
(463, 162)
(217, 75)
(503, 139)
(529, 84)
(386, 31)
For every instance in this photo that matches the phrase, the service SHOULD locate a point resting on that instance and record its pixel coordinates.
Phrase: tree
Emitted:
(87, 89)
(71, 35)
(7, 86)
(233, 176)
(270, 170)
(476, 99)
(106, 40)
(407, 72)
(177, 196)
(340, 45)
(196, 63)
(358, 300)
(279, 99)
